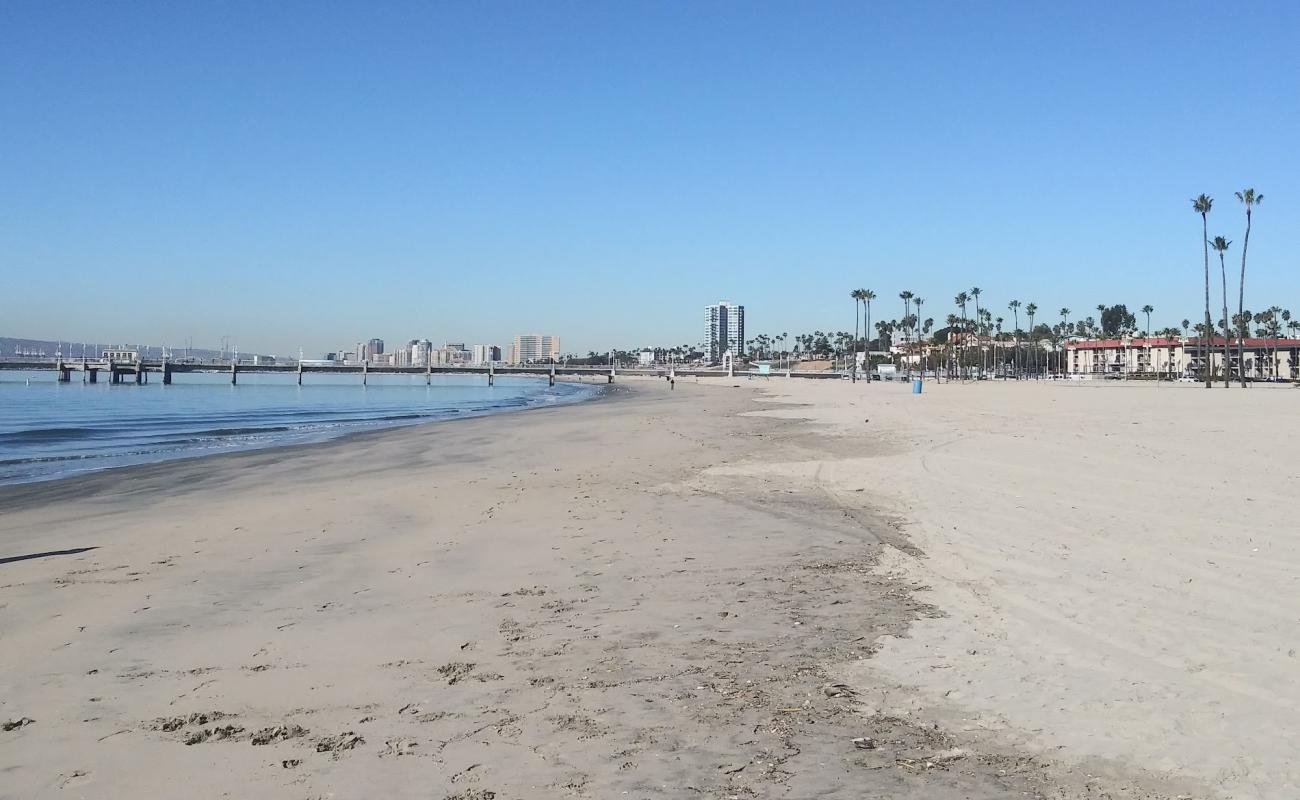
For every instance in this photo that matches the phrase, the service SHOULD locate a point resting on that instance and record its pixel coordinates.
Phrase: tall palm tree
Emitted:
(1147, 309)
(1250, 198)
(1014, 305)
(1065, 332)
(1277, 334)
(1031, 310)
(856, 294)
(960, 300)
(996, 341)
(1202, 204)
(975, 294)
(1220, 246)
(920, 351)
(906, 297)
(867, 297)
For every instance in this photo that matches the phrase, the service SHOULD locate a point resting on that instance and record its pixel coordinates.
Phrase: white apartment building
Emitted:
(724, 329)
(1264, 358)
(535, 347)
(484, 354)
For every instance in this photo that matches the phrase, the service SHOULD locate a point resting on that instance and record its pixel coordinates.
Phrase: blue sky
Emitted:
(310, 174)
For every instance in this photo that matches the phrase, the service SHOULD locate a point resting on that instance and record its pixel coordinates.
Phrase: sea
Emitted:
(51, 430)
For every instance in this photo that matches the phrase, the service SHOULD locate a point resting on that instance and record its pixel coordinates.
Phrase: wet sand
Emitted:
(662, 594)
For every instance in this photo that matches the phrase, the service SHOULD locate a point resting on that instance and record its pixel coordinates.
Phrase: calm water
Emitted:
(51, 430)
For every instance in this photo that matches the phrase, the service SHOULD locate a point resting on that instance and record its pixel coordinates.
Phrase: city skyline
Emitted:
(647, 152)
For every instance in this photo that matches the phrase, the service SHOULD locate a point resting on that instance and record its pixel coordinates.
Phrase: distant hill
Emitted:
(14, 348)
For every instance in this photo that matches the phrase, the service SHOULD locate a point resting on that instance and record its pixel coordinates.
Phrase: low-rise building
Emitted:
(1185, 355)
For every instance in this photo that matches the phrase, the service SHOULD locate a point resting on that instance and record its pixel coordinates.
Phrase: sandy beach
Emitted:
(735, 589)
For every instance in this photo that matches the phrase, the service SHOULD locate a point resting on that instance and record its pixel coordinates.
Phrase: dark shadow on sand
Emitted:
(46, 554)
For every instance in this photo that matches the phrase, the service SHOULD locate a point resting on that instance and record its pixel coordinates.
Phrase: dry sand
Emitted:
(1118, 568)
(673, 594)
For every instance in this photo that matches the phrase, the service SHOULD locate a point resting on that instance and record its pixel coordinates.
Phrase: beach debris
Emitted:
(338, 743)
(170, 724)
(217, 734)
(838, 690)
(16, 723)
(278, 733)
(526, 591)
(455, 671)
(472, 794)
(290, 763)
(400, 746)
(864, 743)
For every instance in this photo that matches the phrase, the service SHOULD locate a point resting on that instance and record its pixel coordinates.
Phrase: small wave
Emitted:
(224, 432)
(47, 435)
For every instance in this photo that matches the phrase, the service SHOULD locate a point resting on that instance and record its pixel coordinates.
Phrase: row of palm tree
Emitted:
(1203, 204)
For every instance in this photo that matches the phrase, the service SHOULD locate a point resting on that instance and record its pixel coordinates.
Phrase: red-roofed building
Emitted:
(1264, 358)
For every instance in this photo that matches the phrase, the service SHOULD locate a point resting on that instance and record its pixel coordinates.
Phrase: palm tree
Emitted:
(995, 344)
(1277, 334)
(1147, 309)
(906, 297)
(960, 300)
(856, 294)
(1250, 198)
(975, 293)
(1014, 305)
(1031, 310)
(1065, 332)
(920, 352)
(1220, 246)
(1202, 204)
(867, 297)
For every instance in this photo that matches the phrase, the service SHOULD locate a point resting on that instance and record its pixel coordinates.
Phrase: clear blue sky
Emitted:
(317, 173)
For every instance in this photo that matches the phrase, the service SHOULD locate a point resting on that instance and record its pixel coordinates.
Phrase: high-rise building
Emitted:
(374, 347)
(535, 347)
(483, 354)
(724, 330)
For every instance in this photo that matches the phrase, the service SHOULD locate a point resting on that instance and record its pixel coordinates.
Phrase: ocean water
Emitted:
(50, 430)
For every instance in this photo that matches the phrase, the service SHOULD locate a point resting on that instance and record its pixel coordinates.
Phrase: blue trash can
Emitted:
(916, 387)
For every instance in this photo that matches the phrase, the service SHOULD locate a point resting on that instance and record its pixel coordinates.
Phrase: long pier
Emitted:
(139, 371)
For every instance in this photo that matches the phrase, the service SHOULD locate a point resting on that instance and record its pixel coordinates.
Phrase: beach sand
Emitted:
(735, 589)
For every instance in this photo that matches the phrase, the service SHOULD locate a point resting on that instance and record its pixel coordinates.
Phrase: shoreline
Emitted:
(88, 479)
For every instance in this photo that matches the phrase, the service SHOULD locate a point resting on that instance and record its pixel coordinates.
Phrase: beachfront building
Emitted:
(535, 347)
(724, 329)
(1185, 355)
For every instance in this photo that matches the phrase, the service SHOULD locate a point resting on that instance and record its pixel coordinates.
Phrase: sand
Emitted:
(1118, 568)
(734, 589)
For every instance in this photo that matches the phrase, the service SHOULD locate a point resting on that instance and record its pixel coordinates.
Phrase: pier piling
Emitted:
(234, 373)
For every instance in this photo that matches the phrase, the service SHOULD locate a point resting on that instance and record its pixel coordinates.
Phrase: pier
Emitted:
(118, 372)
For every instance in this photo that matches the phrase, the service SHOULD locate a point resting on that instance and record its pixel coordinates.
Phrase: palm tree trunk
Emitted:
(1209, 328)
(866, 333)
(1227, 331)
(1241, 304)
(854, 368)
